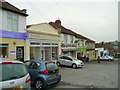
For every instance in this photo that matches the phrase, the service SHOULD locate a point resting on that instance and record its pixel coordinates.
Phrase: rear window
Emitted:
(12, 71)
(51, 66)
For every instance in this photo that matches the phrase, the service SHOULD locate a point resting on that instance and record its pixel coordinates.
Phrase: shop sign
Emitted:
(31, 35)
(81, 49)
(11, 34)
(12, 52)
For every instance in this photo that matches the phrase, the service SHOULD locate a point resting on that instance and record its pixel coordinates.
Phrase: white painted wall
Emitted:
(21, 21)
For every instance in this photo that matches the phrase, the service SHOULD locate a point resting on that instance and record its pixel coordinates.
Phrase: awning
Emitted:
(68, 49)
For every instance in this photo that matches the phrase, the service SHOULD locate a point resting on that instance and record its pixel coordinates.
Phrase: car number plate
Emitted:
(14, 88)
(53, 76)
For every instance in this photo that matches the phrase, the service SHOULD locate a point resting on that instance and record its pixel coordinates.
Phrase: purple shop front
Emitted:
(11, 34)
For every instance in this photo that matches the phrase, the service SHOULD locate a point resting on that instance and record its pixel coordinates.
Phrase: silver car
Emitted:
(69, 61)
(107, 58)
(14, 75)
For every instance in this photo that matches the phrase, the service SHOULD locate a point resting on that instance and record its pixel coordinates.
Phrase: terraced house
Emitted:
(74, 44)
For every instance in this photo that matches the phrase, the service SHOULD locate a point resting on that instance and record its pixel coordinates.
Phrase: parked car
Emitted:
(107, 58)
(43, 73)
(14, 75)
(69, 61)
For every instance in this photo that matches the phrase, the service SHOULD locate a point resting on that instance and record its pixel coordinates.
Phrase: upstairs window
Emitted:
(65, 38)
(12, 22)
(9, 22)
(71, 39)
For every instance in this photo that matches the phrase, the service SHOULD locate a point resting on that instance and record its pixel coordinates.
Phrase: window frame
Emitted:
(14, 18)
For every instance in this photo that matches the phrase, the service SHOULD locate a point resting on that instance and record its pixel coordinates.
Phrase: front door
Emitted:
(20, 53)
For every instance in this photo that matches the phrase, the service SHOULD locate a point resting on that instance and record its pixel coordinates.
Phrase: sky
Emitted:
(95, 19)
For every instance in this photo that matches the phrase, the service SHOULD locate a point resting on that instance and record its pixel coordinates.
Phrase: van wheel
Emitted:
(74, 66)
(38, 84)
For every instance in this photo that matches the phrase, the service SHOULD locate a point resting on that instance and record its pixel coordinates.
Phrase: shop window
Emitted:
(54, 53)
(34, 43)
(4, 50)
(54, 43)
(45, 43)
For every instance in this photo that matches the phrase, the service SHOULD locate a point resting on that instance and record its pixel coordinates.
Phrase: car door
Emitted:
(62, 60)
(68, 61)
(103, 58)
(32, 69)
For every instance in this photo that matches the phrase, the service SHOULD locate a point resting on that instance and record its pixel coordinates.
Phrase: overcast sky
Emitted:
(95, 19)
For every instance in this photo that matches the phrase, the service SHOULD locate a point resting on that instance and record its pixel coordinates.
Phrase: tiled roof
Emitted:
(7, 6)
(103, 45)
(89, 40)
(63, 29)
(57, 25)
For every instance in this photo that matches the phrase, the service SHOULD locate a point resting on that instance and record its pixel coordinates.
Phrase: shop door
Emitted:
(20, 53)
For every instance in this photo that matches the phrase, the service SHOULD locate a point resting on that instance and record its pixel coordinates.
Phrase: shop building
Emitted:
(43, 42)
(12, 32)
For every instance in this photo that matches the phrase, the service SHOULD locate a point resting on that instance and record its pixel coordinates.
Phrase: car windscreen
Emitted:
(51, 66)
(12, 71)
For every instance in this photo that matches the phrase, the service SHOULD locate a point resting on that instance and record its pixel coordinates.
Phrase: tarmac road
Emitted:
(92, 75)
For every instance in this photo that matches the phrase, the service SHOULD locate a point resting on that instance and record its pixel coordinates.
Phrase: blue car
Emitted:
(43, 73)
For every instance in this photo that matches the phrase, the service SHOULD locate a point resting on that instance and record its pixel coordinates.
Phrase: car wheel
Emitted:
(38, 84)
(58, 81)
(109, 60)
(74, 66)
(58, 63)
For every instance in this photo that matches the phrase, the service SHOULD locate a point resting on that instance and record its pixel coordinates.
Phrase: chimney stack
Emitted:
(24, 11)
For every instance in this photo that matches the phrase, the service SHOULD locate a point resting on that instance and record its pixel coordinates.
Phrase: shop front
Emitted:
(44, 49)
(12, 45)
(43, 42)
(81, 53)
(69, 51)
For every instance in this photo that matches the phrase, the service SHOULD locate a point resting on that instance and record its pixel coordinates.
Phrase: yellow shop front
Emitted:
(43, 42)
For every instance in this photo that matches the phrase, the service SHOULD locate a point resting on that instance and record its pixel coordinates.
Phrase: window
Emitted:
(14, 70)
(12, 22)
(51, 66)
(61, 57)
(4, 50)
(9, 22)
(34, 65)
(65, 38)
(15, 22)
(27, 64)
(71, 39)
(69, 59)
